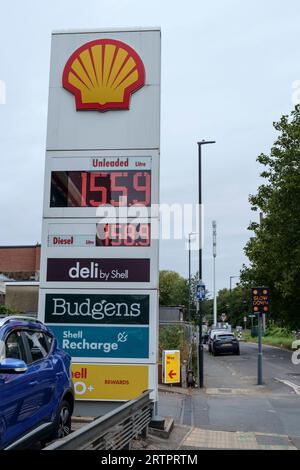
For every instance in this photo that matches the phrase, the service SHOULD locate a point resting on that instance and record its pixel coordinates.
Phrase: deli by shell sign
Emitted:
(98, 270)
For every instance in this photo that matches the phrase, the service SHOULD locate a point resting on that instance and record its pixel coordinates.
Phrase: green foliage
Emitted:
(173, 289)
(284, 341)
(273, 330)
(274, 251)
(173, 337)
(235, 304)
(6, 310)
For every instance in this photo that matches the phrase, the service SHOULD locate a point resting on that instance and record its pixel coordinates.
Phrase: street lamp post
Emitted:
(200, 346)
(189, 304)
(214, 226)
(232, 277)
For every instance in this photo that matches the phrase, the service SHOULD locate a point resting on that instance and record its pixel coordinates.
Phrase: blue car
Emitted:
(36, 390)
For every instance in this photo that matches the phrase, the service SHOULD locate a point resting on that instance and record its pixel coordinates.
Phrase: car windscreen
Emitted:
(225, 337)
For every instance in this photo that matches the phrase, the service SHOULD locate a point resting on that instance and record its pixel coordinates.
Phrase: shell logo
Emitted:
(102, 75)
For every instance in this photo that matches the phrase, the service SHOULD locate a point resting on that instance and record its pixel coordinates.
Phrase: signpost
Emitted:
(251, 316)
(171, 366)
(99, 259)
(260, 306)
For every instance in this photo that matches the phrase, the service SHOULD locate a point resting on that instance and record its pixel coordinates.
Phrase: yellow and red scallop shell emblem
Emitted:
(102, 74)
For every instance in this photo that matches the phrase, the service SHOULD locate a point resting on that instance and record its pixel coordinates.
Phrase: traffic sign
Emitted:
(260, 300)
(171, 366)
(200, 295)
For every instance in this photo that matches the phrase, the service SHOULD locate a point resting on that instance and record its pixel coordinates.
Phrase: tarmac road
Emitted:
(231, 400)
(242, 370)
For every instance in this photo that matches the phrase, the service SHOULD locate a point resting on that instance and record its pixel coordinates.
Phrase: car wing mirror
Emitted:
(12, 366)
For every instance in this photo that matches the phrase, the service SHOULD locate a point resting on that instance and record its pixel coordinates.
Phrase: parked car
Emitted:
(225, 343)
(36, 390)
(211, 336)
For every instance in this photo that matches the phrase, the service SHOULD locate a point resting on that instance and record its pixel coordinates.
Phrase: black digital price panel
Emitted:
(123, 234)
(99, 188)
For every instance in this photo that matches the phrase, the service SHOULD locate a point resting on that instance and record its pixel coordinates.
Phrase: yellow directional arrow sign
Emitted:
(171, 366)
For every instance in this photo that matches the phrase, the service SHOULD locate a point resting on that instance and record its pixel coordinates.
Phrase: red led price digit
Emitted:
(107, 237)
(116, 239)
(145, 188)
(83, 189)
(120, 200)
(100, 189)
(130, 234)
(144, 234)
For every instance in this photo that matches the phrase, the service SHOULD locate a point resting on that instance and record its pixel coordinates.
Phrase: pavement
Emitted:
(232, 411)
(195, 438)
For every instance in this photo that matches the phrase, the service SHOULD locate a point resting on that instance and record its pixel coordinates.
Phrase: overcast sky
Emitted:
(227, 73)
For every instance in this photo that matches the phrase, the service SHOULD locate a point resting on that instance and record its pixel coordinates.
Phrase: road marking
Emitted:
(232, 391)
(290, 384)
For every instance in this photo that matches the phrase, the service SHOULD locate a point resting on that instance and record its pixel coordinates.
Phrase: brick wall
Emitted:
(20, 262)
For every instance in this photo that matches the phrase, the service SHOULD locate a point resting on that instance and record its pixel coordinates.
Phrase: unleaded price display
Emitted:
(99, 188)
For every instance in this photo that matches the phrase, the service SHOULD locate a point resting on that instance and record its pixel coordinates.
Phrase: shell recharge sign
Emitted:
(103, 74)
(99, 294)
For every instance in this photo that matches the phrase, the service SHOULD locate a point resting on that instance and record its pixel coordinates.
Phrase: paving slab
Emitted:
(194, 438)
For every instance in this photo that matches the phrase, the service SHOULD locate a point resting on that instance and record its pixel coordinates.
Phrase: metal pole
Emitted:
(214, 225)
(230, 291)
(214, 289)
(200, 347)
(189, 304)
(260, 354)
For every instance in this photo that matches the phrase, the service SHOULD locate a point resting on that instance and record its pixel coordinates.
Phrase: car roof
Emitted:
(22, 320)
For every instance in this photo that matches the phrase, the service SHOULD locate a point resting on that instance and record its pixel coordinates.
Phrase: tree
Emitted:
(173, 289)
(235, 304)
(6, 310)
(274, 251)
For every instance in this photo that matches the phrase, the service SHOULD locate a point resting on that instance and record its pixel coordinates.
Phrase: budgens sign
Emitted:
(100, 308)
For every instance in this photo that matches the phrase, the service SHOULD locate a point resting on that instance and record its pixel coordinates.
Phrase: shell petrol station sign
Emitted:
(102, 75)
(99, 268)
